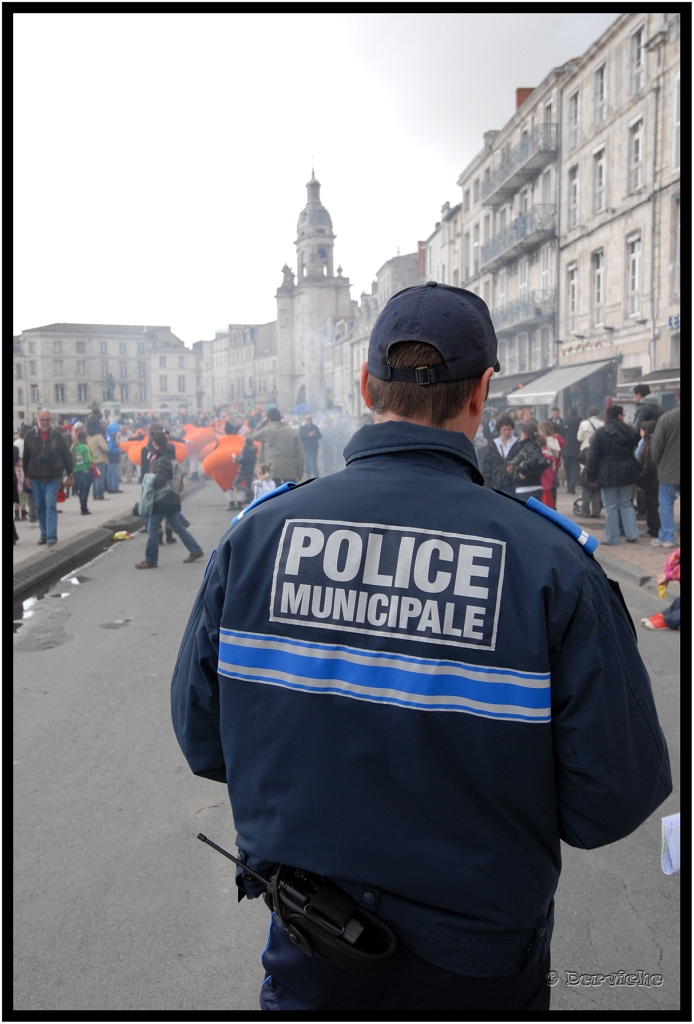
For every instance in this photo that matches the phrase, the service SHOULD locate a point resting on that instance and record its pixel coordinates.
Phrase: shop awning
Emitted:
(545, 390)
(501, 387)
(659, 380)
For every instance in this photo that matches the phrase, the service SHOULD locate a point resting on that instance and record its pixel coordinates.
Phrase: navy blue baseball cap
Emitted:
(453, 320)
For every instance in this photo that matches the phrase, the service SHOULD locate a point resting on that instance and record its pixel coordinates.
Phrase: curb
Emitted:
(623, 571)
(45, 568)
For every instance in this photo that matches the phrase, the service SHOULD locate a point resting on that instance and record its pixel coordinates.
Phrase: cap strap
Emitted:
(421, 374)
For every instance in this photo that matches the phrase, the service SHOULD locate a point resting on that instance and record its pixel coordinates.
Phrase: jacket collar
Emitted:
(397, 437)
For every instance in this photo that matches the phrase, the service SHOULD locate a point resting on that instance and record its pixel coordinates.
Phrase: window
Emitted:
(599, 166)
(82, 392)
(487, 228)
(103, 348)
(104, 369)
(573, 197)
(476, 248)
(58, 367)
(32, 367)
(501, 282)
(142, 369)
(430, 260)
(573, 120)
(523, 361)
(547, 187)
(546, 346)
(124, 392)
(466, 256)
(523, 278)
(466, 201)
(80, 347)
(545, 256)
(181, 362)
(535, 351)
(60, 392)
(598, 286)
(162, 384)
(600, 96)
(81, 367)
(182, 383)
(572, 297)
(525, 200)
(32, 348)
(141, 348)
(34, 392)
(122, 348)
(143, 392)
(636, 62)
(476, 190)
(486, 290)
(162, 362)
(18, 369)
(634, 275)
(548, 112)
(20, 396)
(456, 277)
(676, 127)
(57, 347)
(124, 369)
(676, 245)
(636, 155)
(442, 274)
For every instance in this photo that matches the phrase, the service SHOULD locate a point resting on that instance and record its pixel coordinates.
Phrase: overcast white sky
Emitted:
(161, 159)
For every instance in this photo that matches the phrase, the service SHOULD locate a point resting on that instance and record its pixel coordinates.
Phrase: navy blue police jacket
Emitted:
(417, 686)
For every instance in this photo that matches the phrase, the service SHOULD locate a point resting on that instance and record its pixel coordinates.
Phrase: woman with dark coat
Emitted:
(648, 480)
(528, 463)
(244, 477)
(613, 468)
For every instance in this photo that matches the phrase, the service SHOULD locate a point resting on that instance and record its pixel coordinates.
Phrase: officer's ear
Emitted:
(479, 396)
(363, 377)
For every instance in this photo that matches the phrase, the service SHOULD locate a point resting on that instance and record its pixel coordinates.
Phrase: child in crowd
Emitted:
(551, 450)
(263, 482)
(83, 472)
(670, 618)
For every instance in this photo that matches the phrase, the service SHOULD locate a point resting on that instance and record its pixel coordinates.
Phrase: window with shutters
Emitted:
(523, 278)
(600, 96)
(182, 383)
(573, 197)
(124, 369)
(81, 367)
(60, 392)
(162, 384)
(676, 127)
(572, 296)
(574, 114)
(598, 286)
(545, 258)
(599, 192)
(636, 155)
(634, 275)
(82, 392)
(637, 58)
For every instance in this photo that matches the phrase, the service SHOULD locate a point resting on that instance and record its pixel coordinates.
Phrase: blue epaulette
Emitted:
(586, 540)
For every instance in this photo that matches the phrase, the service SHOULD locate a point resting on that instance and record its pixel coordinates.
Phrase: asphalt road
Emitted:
(118, 906)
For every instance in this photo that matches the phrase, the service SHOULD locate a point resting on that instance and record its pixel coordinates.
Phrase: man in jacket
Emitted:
(167, 503)
(571, 450)
(46, 458)
(590, 494)
(403, 697)
(310, 435)
(647, 406)
(613, 467)
(665, 450)
(281, 447)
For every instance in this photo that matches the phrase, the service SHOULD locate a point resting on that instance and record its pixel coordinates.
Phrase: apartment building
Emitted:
(71, 367)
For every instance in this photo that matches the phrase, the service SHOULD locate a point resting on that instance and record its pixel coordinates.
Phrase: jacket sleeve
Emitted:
(299, 455)
(659, 440)
(611, 760)
(66, 456)
(195, 686)
(593, 458)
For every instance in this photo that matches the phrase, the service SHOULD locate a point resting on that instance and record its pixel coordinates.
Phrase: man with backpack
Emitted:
(161, 499)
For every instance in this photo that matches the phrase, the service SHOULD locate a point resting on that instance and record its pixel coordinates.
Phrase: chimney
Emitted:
(421, 259)
(521, 96)
(489, 137)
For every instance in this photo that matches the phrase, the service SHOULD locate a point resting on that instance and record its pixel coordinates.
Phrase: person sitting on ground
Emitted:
(263, 482)
(670, 618)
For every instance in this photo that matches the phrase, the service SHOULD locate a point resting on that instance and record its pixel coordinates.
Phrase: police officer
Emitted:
(404, 698)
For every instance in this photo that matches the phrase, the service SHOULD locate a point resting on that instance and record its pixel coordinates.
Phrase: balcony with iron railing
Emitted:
(530, 308)
(535, 150)
(523, 234)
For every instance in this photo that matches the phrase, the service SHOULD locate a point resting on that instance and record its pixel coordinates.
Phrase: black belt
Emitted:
(320, 917)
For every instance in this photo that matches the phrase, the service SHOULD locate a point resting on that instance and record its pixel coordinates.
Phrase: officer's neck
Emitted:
(463, 422)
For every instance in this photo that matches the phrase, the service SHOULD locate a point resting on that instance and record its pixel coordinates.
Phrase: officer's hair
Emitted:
(434, 403)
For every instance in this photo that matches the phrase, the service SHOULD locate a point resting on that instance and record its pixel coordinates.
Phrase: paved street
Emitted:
(118, 906)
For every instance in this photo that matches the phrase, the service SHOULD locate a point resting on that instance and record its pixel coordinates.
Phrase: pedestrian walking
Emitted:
(403, 737)
(281, 447)
(590, 494)
(497, 456)
(98, 446)
(310, 435)
(83, 472)
(665, 449)
(571, 449)
(648, 478)
(114, 454)
(166, 503)
(527, 463)
(613, 467)
(47, 461)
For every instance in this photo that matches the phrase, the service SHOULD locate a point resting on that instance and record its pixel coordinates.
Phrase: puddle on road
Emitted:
(24, 610)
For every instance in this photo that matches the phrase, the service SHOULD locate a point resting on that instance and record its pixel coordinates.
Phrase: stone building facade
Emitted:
(69, 368)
